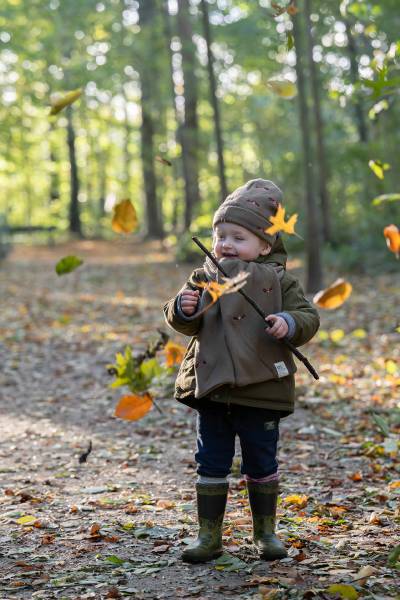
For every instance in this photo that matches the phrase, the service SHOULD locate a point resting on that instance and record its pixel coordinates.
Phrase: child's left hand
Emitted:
(279, 328)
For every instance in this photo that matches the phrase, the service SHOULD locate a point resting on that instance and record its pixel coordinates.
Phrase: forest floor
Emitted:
(115, 525)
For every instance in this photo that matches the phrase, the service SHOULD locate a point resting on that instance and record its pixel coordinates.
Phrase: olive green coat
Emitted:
(230, 358)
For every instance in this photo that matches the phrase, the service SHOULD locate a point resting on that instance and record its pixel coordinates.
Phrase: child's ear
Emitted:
(266, 250)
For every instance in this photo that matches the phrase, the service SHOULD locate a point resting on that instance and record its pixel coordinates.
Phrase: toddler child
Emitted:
(236, 373)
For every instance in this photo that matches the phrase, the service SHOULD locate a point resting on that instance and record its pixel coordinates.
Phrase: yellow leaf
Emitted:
(394, 485)
(391, 367)
(359, 333)
(133, 407)
(60, 101)
(334, 295)
(174, 353)
(284, 89)
(279, 224)
(124, 219)
(337, 335)
(378, 168)
(344, 590)
(392, 235)
(299, 500)
(27, 520)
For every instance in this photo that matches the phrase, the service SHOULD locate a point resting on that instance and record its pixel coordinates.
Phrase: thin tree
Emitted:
(319, 130)
(147, 15)
(358, 107)
(313, 245)
(189, 129)
(74, 212)
(214, 99)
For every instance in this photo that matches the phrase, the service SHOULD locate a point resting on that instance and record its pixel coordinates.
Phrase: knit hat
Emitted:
(251, 206)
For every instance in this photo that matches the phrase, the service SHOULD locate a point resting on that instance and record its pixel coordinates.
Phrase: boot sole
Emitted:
(194, 560)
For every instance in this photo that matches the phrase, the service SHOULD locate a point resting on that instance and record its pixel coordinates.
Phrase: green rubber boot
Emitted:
(211, 502)
(263, 499)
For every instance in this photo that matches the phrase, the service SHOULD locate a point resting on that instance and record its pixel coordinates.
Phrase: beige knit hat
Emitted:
(251, 206)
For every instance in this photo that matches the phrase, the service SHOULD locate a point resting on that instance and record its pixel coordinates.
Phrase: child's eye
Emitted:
(239, 239)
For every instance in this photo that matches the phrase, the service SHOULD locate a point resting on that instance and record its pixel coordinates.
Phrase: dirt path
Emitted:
(115, 525)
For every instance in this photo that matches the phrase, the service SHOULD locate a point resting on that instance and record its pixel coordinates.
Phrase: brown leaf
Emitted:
(125, 218)
(47, 539)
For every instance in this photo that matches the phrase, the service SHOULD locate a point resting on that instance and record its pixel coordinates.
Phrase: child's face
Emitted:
(234, 241)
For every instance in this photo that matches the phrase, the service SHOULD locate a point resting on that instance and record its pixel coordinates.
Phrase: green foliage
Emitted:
(68, 264)
(137, 375)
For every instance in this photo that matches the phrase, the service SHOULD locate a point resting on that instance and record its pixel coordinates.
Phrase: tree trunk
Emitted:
(214, 100)
(189, 130)
(175, 165)
(313, 246)
(147, 13)
(359, 112)
(319, 130)
(74, 213)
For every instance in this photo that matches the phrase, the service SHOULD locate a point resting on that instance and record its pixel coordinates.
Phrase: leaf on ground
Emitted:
(68, 264)
(279, 223)
(26, 520)
(60, 101)
(133, 406)
(125, 218)
(299, 500)
(333, 296)
(344, 590)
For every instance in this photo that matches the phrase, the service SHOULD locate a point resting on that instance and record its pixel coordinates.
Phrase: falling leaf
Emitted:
(283, 89)
(336, 335)
(378, 168)
(392, 235)
(333, 296)
(391, 367)
(26, 520)
(385, 198)
(125, 218)
(164, 161)
(345, 591)
(60, 101)
(68, 264)
(216, 290)
(174, 353)
(289, 41)
(133, 407)
(279, 223)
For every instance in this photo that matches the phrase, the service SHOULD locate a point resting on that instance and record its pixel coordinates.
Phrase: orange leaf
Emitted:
(125, 218)
(95, 529)
(334, 295)
(357, 476)
(233, 284)
(174, 353)
(279, 223)
(392, 235)
(133, 407)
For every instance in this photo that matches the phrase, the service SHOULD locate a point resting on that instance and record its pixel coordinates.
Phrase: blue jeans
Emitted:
(217, 427)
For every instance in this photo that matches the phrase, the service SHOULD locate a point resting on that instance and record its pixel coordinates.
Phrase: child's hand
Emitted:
(189, 300)
(279, 328)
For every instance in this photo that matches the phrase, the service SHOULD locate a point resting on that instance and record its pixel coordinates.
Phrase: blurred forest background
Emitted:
(184, 100)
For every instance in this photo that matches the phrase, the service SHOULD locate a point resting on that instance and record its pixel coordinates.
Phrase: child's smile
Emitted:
(235, 241)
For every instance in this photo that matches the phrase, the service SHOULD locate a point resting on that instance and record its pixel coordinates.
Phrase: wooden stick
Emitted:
(254, 304)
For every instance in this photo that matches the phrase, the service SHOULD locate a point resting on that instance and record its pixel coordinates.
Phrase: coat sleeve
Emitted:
(174, 318)
(295, 303)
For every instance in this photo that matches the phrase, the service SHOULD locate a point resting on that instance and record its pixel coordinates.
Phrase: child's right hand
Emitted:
(189, 300)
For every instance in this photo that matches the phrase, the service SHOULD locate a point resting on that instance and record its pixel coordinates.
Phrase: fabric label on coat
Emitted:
(281, 369)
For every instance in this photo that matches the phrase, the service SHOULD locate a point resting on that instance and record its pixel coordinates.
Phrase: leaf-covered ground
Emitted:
(115, 525)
